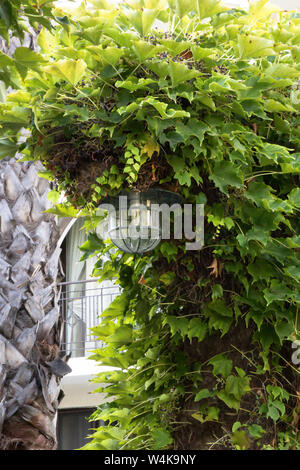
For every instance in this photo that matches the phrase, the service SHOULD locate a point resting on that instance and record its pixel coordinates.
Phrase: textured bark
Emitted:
(30, 324)
(28, 41)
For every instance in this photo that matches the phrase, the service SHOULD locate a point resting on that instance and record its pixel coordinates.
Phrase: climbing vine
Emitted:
(202, 100)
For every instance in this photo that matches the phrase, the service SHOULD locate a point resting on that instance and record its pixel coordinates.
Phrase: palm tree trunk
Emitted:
(30, 324)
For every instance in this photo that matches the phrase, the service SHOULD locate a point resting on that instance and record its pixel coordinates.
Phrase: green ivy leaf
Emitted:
(241, 440)
(7, 148)
(180, 73)
(250, 45)
(273, 413)
(224, 175)
(256, 431)
(164, 111)
(133, 85)
(197, 329)
(267, 336)
(228, 399)
(27, 59)
(6, 12)
(168, 277)
(275, 106)
(142, 20)
(261, 269)
(217, 291)
(192, 127)
(284, 330)
(178, 325)
(236, 426)
(67, 69)
(16, 117)
(204, 393)
(294, 197)
(92, 245)
(63, 210)
(122, 335)
(210, 414)
(144, 50)
(237, 386)
(210, 8)
(221, 365)
(53, 196)
(117, 307)
(5, 60)
(162, 438)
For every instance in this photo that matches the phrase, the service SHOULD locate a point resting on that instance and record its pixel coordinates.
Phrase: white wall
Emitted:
(77, 386)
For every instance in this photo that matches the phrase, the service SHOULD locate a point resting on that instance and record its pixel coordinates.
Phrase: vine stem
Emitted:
(147, 368)
(133, 439)
(287, 362)
(244, 355)
(218, 440)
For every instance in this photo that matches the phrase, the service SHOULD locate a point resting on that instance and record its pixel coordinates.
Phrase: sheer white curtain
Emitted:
(98, 297)
(75, 271)
(85, 300)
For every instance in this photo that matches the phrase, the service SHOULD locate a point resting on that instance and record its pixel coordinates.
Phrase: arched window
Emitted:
(83, 299)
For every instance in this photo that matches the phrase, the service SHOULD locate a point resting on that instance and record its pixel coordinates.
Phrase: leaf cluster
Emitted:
(206, 105)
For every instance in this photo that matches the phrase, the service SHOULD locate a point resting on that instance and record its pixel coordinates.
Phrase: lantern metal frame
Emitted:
(142, 199)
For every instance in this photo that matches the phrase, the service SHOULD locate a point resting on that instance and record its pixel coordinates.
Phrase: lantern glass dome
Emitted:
(134, 226)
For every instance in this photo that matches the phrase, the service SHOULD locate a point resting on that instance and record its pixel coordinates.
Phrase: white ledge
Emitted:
(77, 385)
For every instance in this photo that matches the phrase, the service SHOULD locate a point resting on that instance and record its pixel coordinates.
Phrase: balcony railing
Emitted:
(81, 303)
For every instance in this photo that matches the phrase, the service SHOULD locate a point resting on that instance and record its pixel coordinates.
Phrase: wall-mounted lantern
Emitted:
(134, 222)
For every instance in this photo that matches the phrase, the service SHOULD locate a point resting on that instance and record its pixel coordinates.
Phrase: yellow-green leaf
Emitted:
(70, 70)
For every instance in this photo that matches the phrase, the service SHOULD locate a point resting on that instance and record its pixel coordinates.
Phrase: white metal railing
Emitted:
(81, 303)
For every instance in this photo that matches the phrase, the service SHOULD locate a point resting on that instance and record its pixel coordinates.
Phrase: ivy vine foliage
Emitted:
(14, 13)
(194, 97)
